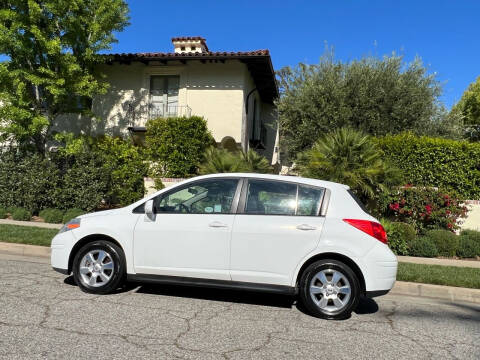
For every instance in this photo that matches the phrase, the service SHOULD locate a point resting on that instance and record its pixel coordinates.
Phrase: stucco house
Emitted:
(233, 91)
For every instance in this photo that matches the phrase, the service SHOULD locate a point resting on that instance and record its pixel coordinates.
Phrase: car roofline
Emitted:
(294, 179)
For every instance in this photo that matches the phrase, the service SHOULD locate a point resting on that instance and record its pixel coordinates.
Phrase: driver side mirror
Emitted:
(149, 213)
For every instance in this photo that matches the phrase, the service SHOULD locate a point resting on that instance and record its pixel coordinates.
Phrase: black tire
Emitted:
(306, 297)
(117, 274)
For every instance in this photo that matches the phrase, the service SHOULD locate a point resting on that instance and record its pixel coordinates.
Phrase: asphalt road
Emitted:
(43, 315)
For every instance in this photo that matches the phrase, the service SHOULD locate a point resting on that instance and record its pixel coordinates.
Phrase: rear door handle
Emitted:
(217, 224)
(306, 227)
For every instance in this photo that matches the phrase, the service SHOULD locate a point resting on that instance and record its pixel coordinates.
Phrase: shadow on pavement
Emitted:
(365, 305)
(235, 296)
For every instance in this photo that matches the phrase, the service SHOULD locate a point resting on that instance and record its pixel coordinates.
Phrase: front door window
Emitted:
(202, 197)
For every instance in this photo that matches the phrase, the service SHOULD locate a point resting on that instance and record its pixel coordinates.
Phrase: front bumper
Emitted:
(61, 247)
(61, 271)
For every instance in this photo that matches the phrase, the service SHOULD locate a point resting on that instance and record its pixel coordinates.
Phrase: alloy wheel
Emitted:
(96, 268)
(330, 290)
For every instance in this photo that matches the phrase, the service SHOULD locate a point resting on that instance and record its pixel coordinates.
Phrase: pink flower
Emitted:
(394, 206)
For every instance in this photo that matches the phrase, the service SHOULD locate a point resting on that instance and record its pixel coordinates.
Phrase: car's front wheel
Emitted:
(329, 289)
(99, 267)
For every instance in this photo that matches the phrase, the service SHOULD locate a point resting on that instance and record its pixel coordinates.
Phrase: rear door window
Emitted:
(271, 198)
(309, 200)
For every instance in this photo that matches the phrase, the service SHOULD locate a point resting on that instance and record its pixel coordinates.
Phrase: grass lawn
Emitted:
(439, 275)
(26, 235)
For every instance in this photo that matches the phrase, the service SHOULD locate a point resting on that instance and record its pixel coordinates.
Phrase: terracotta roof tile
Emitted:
(186, 38)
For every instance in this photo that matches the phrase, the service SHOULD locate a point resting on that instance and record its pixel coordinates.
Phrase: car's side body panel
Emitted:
(266, 249)
(187, 245)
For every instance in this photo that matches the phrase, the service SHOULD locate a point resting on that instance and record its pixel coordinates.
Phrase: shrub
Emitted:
(471, 233)
(72, 214)
(27, 181)
(436, 162)
(21, 214)
(176, 145)
(469, 243)
(400, 236)
(53, 216)
(468, 247)
(423, 247)
(424, 208)
(84, 182)
(445, 241)
(3, 213)
(125, 164)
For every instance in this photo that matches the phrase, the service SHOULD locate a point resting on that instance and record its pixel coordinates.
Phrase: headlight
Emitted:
(72, 224)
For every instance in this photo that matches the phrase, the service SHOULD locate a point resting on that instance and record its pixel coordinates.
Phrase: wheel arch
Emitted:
(87, 239)
(334, 256)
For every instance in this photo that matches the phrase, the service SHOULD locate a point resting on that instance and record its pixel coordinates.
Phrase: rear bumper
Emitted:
(381, 270)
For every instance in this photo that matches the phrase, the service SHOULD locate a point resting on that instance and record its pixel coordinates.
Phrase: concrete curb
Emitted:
(25, 250)
(449, 293)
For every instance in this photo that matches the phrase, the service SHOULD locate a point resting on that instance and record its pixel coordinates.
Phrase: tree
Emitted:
(376, 96)
(469, 107)
(52, 47)
(349, 157)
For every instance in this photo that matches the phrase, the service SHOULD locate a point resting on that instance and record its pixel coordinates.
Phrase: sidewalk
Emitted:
(435, 261)
(30, 223)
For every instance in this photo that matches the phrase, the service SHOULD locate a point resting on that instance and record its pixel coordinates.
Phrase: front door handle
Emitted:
(217, 224)
(306, 227)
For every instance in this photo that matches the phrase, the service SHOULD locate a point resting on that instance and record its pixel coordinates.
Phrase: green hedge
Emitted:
(436, 162)
(94, 173)
(27, 181)
(176, 145)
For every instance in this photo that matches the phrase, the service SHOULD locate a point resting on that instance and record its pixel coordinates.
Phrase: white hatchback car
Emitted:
(258, 232)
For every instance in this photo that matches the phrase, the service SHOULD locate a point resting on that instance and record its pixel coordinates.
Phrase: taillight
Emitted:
(372, 228)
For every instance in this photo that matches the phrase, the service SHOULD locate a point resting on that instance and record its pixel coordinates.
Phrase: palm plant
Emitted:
(349, 157)
(256, 162)
(221, 161)
(218, 160)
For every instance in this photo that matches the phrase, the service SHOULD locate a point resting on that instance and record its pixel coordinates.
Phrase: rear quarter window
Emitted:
(357, 200)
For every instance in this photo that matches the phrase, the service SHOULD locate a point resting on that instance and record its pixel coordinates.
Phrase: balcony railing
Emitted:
(169, 111)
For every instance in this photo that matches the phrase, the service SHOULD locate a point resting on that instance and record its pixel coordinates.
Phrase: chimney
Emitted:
(189, 45)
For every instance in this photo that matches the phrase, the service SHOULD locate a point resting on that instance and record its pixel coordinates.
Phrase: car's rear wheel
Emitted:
(329, 289)
(99, 267)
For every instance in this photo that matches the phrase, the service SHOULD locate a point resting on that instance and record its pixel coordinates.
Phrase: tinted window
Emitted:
(357, 200)
(309, 200)
(202, 197)
(271, 198)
